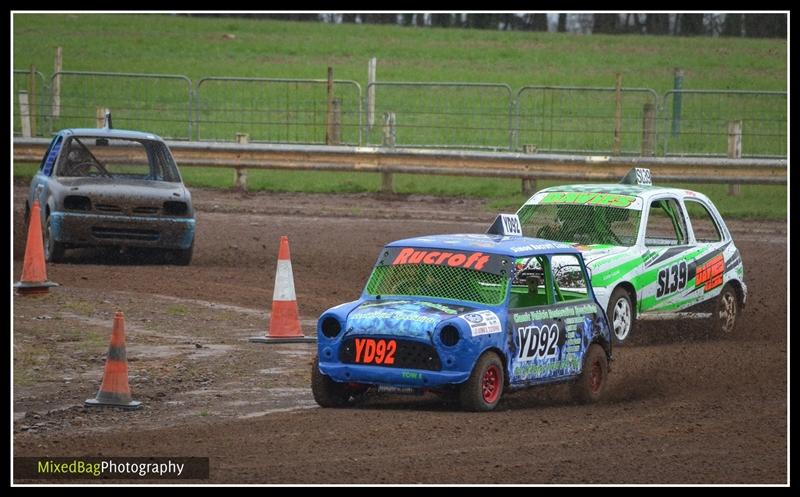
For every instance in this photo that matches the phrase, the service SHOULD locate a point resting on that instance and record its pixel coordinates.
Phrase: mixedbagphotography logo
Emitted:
(99, 468)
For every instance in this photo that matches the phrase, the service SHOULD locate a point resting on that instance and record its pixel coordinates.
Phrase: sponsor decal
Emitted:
(474, 260)
(671, 279)
(537, 246)
(411, 375)
(537, 341)
(588, 198)
(482, 322)
(710, 274)
(372, 351)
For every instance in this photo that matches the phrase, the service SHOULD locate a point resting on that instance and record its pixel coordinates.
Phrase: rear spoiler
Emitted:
(506, 225)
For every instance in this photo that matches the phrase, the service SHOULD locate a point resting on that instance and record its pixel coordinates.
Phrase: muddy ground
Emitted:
(682, 406)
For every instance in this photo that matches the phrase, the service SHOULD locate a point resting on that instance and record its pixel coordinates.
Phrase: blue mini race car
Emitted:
(470, 315)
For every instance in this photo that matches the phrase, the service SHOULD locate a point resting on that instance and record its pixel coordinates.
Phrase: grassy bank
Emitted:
(754, 202)
(197, 47)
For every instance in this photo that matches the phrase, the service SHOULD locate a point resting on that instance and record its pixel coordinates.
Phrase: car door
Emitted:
(670, 252)
(716, 257)
(40, 182)
(552, 320)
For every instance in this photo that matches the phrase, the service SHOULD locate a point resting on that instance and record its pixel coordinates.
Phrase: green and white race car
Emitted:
(653, 253)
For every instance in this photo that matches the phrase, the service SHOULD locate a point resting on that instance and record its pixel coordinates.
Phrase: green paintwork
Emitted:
(616, 273)
(588, 198)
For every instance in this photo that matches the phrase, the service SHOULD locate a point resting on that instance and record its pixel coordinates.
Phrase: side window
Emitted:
(665, 225)
(703, 224)
(50, 156)
(569, 281)
(529, 288)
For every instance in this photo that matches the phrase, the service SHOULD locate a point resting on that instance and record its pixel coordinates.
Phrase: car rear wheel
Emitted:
(726, 311)
(621, 315)
(483, 389)
(327, 393)
(53, 250)
(591, 383)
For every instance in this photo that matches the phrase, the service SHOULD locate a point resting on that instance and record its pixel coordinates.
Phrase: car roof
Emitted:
(110, 133)
(512, 246)
(642, 191)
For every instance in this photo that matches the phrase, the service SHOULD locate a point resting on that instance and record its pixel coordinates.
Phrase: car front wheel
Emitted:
(183, 257)
(483, 389)
(327, 393)
(53, 250)
(621, 315)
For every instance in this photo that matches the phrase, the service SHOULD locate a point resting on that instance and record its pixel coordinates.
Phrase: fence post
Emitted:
(528, 184)
(100, 116)
(329, 113)
(389, 140)
(734, 149)
(336, 127)
(371, 68)
(648, 130)
(618, 115)
(677, 102)
(32, 99)
(24, 114)
(57, 85)
(240, 173)
(389, 130)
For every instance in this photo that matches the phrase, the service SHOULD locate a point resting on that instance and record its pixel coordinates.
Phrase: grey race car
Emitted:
(114, 188)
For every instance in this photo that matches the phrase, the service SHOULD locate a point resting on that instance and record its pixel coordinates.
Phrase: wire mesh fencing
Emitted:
(31, 103)
(587, 120)
(279, 110)
(455, 115)
(696, 122)
(157, 103)
(482, 116)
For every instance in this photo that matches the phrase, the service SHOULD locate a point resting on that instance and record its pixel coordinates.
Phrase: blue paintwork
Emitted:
(571, 326)
(510, 246)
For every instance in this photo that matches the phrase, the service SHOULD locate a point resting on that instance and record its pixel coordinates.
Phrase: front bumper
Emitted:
(79, 229)
(396, 377)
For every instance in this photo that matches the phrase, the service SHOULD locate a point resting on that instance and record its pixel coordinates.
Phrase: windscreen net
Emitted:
(584, 224)
(444, 282)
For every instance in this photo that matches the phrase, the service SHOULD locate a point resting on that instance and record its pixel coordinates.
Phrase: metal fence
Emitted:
(34, 93)
(278, 110)
(549, 119)
(463, 115)
(158, 103)
(695, 122)
(581, 119)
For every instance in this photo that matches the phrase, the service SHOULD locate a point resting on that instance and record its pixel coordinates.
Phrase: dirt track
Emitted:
(682, 407)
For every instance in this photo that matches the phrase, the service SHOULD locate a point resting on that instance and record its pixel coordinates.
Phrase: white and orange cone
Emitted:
(284, 323)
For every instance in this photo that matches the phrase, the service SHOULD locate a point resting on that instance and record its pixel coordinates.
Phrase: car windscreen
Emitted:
(584, 224)
(452, 275)
(117, 158)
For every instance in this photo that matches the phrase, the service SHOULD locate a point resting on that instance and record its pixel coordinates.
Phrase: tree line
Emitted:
(684, 24)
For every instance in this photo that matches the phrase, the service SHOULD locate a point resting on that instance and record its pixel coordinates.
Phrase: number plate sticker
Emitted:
(375, 351)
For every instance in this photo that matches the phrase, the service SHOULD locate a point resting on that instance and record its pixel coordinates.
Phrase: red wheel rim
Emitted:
(490, 385)
(596, 377)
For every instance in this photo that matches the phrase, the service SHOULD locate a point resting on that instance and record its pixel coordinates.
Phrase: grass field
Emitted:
(197, 47)
(428, 116)
(754, 202)
(200, 47)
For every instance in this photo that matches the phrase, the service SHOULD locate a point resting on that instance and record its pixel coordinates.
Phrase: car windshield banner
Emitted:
(478, 261)
(601, 199)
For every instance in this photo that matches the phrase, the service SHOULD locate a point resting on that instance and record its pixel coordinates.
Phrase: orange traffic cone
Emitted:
(34, 274)
(114, 391)
(284, 323)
